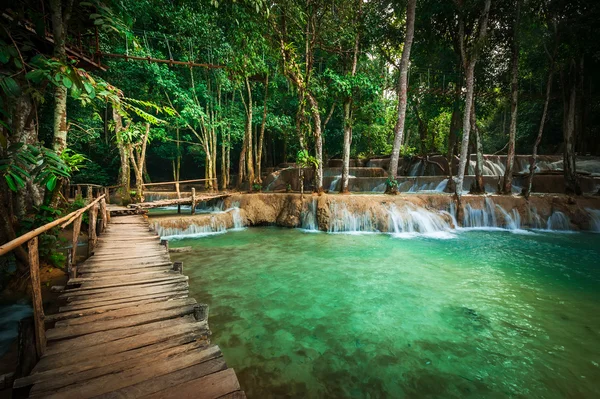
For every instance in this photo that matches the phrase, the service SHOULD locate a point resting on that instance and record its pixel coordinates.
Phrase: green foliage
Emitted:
(305, 160)
(256, 187)
(25, 161)
(49, 241)
(391, 184)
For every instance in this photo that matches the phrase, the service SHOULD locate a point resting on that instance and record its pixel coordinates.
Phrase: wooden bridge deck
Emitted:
(192, 200)
(129, 328)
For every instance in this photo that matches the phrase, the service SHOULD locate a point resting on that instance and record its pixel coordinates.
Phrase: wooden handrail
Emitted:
(175, 182)
(9, 246)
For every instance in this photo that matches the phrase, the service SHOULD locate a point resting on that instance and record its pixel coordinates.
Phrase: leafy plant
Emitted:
(305, 160)
(256, 187)
(391, 184)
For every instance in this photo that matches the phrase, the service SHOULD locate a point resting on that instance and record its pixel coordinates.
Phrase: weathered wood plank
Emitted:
(130, 277)
(72, 312)
(212, 386)
(167, 381)
(118, 292)
(63, 319)
(79, 377)
(103, 285)
(145, 334)
(111, 382)
(116, 303)
(96, 363)
(125, 271)
(75, 331)
(103, 317)
(116, 267)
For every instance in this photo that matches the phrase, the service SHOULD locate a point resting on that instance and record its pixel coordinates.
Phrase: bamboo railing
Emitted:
(31, 239)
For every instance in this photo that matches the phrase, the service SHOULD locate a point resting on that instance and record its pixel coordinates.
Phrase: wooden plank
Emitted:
(101, 285)
(125, 256)
(98, 362)
(114, 314)
(113, 311)
(72, 306)
(167, 381)
(111, 382)
(91, 269)
(36, 296)
(75, 331)
(118, 292)
(69, 312)
(212, 386)
(77, 377)
(144, 334)
(117, 277)
(125, 271)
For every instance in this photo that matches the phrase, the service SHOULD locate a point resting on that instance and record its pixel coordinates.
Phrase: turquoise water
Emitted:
(483, 315)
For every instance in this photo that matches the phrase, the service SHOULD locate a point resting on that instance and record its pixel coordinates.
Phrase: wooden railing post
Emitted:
(78, 191)
(178, 196)
(36, 296)
(93, 212)
(193, 201)
(103, 214)
(75, 240)
(107, 195)
(89, 193)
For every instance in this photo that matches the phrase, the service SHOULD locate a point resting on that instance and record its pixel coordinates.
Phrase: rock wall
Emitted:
(415, 212)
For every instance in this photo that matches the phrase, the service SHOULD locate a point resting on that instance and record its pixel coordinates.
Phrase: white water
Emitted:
(214, 226)
(343, 221)
(558, 221)
(335, 181)
(480, 218)
(595, 219)
(379, 188)
(309, 216)
(413, 221)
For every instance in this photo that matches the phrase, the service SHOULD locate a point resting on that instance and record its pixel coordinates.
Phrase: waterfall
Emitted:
(512, 220)
(415, 220)
(238, 222)
(268, 188)
(192, 231)
(415, 170)
(309, 216)
(335, 181)
(558, 221)
(595, 219)
(480, 218)
(380, 188)
(442, 186)
(535, 220)
(203, 207)
(342, 220)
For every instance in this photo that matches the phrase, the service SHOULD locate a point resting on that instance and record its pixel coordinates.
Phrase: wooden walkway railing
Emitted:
(31, 240)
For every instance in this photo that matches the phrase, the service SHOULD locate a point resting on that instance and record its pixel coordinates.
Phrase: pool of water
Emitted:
(484, 314)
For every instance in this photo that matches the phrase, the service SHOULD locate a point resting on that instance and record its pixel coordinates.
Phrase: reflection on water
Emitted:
(487, 314)
(9, 323)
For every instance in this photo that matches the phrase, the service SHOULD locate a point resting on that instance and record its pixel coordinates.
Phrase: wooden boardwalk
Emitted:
(129, 328)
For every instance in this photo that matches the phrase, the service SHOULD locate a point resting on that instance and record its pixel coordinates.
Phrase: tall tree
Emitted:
(469, 53)
(348, 104)
(514, 96)
(402, 89)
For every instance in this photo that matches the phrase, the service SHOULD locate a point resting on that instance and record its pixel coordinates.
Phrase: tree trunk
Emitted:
(348, 109)
(453, 134)
(60, 14)
(124, 171)
(261, 137)
(249, 160)
(569, 165)
(514, 89)
(478, 186)
(314, 111)
(402, 88)
(538, 139)
(464, 148)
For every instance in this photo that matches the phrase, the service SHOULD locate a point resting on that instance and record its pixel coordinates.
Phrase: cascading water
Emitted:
(595, 219)
(336, 180)
(480, 218)
(558, 221)
(214, 226)
(342, 220)
(535, 220)
(512, 220)
(309, 216)
(379, 188)
(414, 220)
(236, 216)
